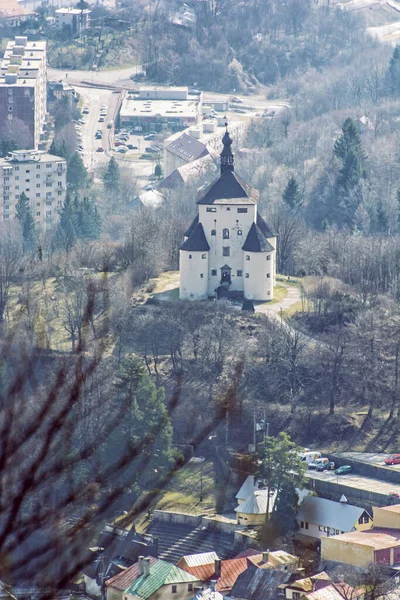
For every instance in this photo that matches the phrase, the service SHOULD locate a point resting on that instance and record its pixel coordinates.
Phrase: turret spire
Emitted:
(227, 162)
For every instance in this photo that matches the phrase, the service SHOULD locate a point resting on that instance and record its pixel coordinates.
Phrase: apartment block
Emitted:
(74, 18)
(23, 90)
(43, 178)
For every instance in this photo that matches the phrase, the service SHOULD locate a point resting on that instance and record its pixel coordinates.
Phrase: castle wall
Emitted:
(193, 275)
(258, 275)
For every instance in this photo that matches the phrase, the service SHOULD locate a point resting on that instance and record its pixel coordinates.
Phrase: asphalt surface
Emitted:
(356, 481)
(371, 458)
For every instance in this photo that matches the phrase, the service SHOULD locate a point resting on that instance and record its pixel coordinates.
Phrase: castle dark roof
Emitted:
(197, 241)
(229, 188)
(191, 227)
(265, 228)
(256, 241)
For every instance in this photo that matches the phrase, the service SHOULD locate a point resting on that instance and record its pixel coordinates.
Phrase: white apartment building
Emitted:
(23, 89)
(43, 178)
(229, 249)
(74, 18)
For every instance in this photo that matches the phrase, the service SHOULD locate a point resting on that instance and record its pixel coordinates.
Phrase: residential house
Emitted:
(253, 510)
(182, 148)
(295, 589)
(279, 559)
(327, 592)
(255, 583)
(211, 594)
(152, 579)
(318, 518)
(379, 544)
(250, 485)
(223, 572)
(193, 561)
(13, 14)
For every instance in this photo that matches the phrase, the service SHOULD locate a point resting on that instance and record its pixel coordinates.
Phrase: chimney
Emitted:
(141, 565)
(146, 567)
(265, 556)
(217, 563)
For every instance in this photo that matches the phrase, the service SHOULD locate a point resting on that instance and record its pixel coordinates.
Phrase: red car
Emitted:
(393, 460)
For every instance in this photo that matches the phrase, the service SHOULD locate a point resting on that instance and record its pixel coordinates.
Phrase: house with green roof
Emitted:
(153, 579)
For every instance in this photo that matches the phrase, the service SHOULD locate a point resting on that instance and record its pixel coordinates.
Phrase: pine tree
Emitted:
(158, 170)
(349, 141)
(393, 74)
(292, 195)
(24, 215)
(76, 172)
(285, 509)
(112, 178)
(66, 233)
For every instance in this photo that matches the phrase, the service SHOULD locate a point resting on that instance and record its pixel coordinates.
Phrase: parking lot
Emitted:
(371, 458)
(357, 482)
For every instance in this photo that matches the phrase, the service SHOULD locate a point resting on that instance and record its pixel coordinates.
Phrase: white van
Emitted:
(310, 456)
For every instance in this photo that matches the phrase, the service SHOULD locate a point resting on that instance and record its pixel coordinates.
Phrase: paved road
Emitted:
(356, 481)
(115, 76)
(293, 297)
(371, 458)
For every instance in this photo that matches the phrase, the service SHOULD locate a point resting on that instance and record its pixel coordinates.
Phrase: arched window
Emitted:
(225, 234)
(190, 256)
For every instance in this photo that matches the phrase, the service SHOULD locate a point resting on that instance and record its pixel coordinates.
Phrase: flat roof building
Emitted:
(74, 18)
(23, 91)
(42, 177)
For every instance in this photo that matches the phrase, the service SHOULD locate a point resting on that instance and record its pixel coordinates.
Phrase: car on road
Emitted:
(85, 111)
(98, 135)
(122, 150)
(102, 119)
(328, 466)
(100, 149)
(110, 124)
(343, 470)
(150, 136)
(151, 150)
(393, 460)
(132, 147)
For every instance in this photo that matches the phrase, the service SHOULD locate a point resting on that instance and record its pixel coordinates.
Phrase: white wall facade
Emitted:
(193, 275)
(258, 278)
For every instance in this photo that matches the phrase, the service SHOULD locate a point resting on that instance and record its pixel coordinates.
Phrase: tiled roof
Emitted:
(255, 583)
(11, 8)
(256, 241)
(191, 227)
(123, 580)
(196, 560)
(197, 241)
(265, 228)
(187, 147)
(228, 187)
(327, 513)
(161, 573)
(230, 571)
(202, 572)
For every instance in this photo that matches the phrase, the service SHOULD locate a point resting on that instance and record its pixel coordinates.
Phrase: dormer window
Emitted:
(225, 234)
(213, 232)
(239, 232)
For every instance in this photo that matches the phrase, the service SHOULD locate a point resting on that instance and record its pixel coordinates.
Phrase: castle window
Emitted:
(239, 232)
(268, 257)
(225, 234)
(269, 293)
(247, 275)
(211, 209)
(201, 276)
(239, 273)
(213, 232)
(190, 256)
(213, 272)
(228, 208)
(226, 251)
(268, 275)
(247, 257)
(242, 210)
(203, 256)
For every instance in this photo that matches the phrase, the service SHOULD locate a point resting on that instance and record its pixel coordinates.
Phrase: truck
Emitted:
(309, 456)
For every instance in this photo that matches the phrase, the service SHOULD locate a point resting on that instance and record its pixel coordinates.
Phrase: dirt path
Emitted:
(292, 297)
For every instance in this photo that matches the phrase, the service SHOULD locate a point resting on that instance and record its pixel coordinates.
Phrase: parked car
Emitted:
(82, 121)
(101, 119)
(98, 135)
(237, 100)
(393, 460)
(119, 143)
(110, 124)
(103, 107)
(100, 149)
(343, 470)
(151, 150)
(80, 147)
(316, 462)
(150, 136)
(308, 456)
(122, 150)
(328, 466)
(137, 129)
(132, 147)
(85, 111)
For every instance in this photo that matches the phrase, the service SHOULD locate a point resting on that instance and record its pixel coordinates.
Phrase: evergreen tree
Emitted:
(382, 221)
(285, 510)
(349, 141)
(292, 195)
(112, 179)
(24, 216)
(76, 172)
(393, 74)
(66, 233)
(158, 170)
(58, 150)
(398, 209)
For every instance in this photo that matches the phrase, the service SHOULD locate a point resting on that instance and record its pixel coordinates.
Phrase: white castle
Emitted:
(228, 247)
